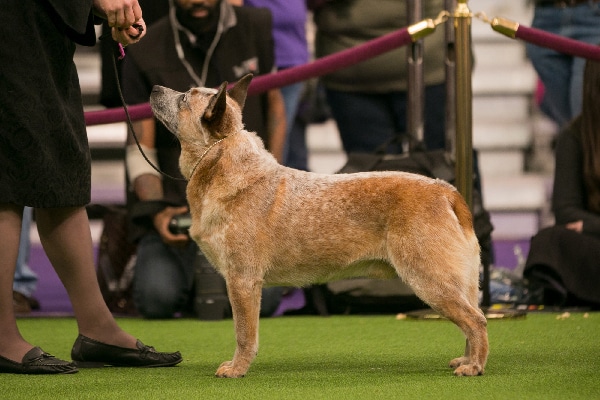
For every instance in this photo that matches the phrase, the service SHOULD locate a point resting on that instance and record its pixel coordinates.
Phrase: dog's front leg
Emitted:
(244, 296)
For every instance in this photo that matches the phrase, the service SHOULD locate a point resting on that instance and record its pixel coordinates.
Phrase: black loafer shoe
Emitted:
(89, 353)
(37, 361)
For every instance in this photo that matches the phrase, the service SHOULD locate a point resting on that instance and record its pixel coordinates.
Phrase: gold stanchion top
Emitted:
(425, 27)
(462, 10)
(505, 27)
(421, 29)
(501, 25)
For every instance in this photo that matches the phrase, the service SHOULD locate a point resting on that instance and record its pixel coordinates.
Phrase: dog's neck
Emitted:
(205, 153)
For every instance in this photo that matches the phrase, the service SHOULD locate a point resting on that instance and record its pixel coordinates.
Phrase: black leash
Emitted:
(129, 122)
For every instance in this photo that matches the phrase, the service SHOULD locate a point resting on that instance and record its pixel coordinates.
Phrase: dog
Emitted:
(260, 223)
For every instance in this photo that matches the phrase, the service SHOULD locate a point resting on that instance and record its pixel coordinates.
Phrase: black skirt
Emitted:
(565, 266)
(44, 153)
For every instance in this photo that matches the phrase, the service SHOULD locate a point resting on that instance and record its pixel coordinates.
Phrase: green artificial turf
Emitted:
(339, 357)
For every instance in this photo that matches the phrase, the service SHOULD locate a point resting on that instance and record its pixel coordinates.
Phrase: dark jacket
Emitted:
(569, 196)
(342, 25)
(78, 19)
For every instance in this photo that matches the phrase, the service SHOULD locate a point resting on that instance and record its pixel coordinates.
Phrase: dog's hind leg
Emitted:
(453, 292)
(244, 296)
(452, 303)
(473, 324)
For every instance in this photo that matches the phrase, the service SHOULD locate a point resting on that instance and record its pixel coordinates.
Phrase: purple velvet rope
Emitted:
(558, 43)
(263, 83)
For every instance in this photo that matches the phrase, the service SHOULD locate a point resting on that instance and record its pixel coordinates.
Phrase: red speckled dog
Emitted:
(261, 223)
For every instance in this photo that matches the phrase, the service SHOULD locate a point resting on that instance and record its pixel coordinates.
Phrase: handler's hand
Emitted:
(119, 13)
(121, 16)
(131, 35)
(161, 223)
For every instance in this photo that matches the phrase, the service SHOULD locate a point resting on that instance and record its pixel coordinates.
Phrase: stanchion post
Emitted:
(416, 102)
(450, 67)
(464, 117)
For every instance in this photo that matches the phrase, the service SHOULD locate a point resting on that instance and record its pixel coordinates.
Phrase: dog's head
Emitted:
(200, 116)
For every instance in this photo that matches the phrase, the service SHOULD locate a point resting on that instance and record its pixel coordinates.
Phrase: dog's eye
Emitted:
(182, 99)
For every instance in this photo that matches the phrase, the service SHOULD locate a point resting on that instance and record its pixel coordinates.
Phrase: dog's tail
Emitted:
(462, 212)
(465, 217)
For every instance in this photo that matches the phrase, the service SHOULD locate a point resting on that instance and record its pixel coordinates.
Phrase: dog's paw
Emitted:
(457, 362)
(228, 370)
(468, 370)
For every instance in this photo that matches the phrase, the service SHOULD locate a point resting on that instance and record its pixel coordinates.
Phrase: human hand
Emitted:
(161, 223)
(576, 226)
(130, 35)
(119, 13)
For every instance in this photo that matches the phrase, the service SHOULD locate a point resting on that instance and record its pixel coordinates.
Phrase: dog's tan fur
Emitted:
(261, 223)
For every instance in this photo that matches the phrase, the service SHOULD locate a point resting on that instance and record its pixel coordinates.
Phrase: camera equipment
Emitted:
(180, 224)
(211, 301)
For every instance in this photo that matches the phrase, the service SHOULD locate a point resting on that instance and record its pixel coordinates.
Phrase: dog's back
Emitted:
(323, 227)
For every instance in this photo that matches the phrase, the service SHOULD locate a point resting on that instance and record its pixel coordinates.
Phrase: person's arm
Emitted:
(569, 197)
(146, 182)
(275, 106)
(276, 125)
(143, 179)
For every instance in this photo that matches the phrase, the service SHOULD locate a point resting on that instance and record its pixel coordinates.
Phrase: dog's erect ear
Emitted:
(240, 89)
(216, 105)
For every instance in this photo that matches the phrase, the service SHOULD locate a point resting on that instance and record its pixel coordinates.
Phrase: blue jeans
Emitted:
(368, 120)
(25, 280)
(295, 142)
(562, 74)
(164, 277)
(164, 280)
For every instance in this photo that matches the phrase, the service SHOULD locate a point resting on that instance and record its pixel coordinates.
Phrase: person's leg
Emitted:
(291, 98)
(585, 27)
(25, 280)
(553, 68)
(12, 344)
(365, 121)
(163, 277)
(297, 156)
(435, 116)
(66, 238)
(576, 87)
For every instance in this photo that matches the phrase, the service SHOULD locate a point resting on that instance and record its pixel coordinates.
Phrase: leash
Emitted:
(129, 122)
(206, 152)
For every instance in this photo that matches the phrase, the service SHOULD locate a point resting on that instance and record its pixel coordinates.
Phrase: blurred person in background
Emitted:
(563, 264)
(198, 44)
(369, 100)
(562, 74)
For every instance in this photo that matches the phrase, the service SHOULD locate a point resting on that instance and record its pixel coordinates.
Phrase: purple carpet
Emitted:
(54, 300)
(50, 291)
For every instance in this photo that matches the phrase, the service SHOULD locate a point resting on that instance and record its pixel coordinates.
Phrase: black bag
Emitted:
(372, 294)
(116, 261)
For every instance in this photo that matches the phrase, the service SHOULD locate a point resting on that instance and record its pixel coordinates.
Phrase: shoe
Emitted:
(37, 361)
(89, 353)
